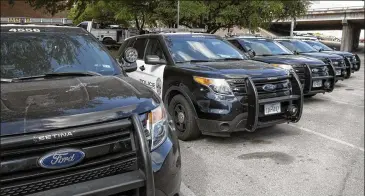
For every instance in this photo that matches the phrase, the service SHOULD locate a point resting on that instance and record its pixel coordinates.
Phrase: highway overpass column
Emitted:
(350, 36)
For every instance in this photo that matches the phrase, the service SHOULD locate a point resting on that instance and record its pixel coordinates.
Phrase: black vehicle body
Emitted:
(102, 118)
(354, 59)
(342, 65)
(218, 114)
(302, 65)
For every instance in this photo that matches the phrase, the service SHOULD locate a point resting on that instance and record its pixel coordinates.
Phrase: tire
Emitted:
(186, 126)
(309, 96)
(108, 40)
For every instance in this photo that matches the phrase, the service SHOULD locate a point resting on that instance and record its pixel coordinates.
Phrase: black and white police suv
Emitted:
(73, 122)
(210, 87)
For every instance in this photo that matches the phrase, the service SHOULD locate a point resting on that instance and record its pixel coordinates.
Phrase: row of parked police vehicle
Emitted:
(77, 121)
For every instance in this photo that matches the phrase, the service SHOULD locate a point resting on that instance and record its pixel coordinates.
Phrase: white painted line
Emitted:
(185, 191)
(327, 137)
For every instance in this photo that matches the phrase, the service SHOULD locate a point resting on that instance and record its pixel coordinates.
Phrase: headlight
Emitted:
(219, 86)
(157, 124)
(283, 66)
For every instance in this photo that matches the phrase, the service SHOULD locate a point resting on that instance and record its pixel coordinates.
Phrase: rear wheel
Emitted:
(184, 118)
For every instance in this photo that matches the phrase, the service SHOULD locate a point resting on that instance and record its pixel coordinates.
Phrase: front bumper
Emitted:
(248, 114)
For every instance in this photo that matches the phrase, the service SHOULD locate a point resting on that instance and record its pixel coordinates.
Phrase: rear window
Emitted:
(31, 54)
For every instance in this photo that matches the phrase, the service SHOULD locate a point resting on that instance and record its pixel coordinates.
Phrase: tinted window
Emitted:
(154, 48)
(237, 45)
(201, 47)
(318, 45)
(265, 47)
(298, 46)
(30, 54)
(140, 45)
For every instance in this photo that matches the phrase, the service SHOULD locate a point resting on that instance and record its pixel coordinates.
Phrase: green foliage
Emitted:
(209, 14)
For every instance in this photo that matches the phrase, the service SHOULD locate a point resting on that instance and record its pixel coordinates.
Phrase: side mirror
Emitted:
(251, 53)
(296, 52)
(334, 48)
(154, 60)
(130, 56)
(320, 50)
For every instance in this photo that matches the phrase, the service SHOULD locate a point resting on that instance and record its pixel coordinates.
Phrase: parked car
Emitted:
(315, 75)
(73, 123)
(210, 87)
(298, 47)
(352, 59)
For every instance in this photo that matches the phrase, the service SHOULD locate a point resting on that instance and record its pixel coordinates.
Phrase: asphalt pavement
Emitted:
(321, 155)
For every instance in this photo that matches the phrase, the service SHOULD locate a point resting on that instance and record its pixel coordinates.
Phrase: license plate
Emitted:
(272, 108)
(317, 83)
(338, 72)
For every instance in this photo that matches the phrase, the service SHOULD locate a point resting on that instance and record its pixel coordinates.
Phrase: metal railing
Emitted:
(43, 21)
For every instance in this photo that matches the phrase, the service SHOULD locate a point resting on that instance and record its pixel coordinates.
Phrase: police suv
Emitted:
(299, 47)
(209, 86)
(73, 123)
(315, 75)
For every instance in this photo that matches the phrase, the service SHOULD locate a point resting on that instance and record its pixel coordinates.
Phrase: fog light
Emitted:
(327, 84)
(292, 110)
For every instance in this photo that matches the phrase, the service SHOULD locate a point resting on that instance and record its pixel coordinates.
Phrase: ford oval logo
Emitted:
(61, 158)
(269, 87)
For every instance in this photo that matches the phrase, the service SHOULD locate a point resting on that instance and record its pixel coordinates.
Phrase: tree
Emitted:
(209, 14)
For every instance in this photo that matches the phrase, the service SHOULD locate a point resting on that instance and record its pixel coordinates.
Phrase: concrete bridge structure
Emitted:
(348, 19)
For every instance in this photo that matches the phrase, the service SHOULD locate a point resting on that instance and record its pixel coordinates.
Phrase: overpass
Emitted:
(348, 19)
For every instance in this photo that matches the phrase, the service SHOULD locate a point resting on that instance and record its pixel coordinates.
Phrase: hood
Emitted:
(289, 59)
(322, 55)
(341, 53)
(233, 69)
(43, 105)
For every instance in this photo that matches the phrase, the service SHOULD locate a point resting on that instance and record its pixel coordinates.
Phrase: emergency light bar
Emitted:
(43, 21)
(176, 30)
(298, 37)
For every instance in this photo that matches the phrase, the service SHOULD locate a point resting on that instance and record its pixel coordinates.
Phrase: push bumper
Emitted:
(310, 88)
(254, 117)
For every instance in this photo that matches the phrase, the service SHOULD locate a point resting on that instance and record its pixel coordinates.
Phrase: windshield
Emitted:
(318, 45)
(299, 46)
(201, 48)
(265, 47)
(29, 54)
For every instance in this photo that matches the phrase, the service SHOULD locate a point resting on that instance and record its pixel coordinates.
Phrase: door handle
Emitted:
(142, 68)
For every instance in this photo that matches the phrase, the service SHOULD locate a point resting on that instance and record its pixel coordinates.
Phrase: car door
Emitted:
(140, 45)
(153, 74)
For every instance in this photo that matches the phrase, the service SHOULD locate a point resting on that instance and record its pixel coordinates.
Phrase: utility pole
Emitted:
(178, 13)
(292, 27)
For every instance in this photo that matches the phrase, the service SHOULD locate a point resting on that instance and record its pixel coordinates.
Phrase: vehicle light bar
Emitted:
(298, 37)
(176, 30)
(43, 21)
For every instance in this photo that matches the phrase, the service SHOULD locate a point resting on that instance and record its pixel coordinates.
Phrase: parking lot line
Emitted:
(328, 137)
(185, 191)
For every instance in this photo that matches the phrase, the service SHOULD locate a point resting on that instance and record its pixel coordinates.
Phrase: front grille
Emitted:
(64, 180)
(319, 70)
(281, 88)
(301, 72)
(108, 151)
(238, 86)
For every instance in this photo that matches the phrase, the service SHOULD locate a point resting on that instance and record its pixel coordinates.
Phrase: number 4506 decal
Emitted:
(24, 30)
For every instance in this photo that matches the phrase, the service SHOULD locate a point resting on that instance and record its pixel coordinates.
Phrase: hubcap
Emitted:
(180, 117)
(179, 114)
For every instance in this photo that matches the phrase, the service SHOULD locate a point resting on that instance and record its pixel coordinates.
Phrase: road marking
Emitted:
(327, 137)
(185, 191)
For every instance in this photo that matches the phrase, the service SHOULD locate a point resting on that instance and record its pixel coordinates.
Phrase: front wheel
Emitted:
(184, 118)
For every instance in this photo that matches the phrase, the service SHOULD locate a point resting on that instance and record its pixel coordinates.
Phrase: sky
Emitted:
(332, 4)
